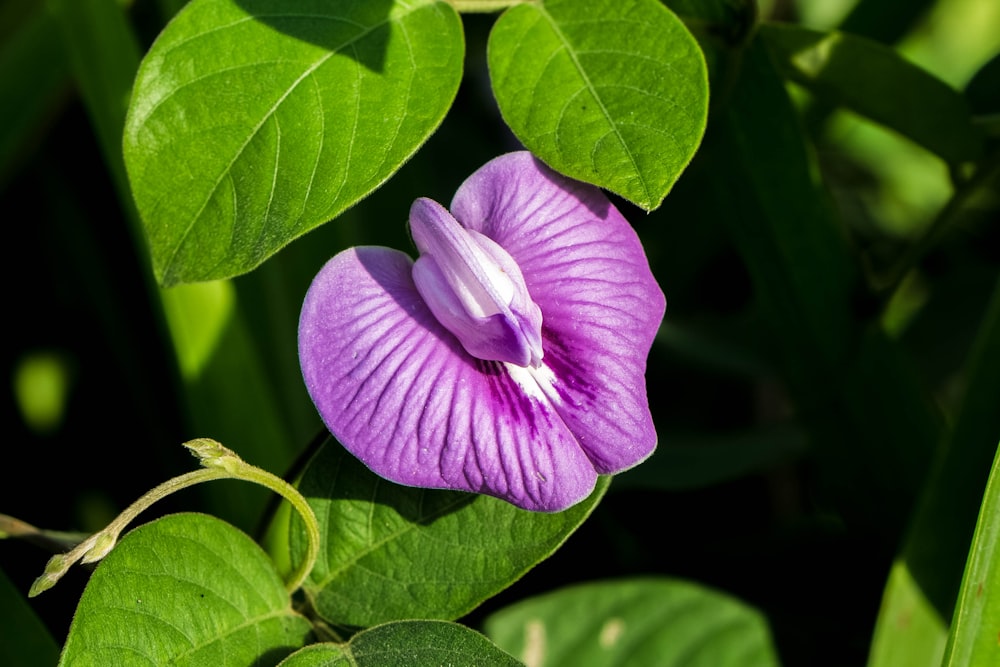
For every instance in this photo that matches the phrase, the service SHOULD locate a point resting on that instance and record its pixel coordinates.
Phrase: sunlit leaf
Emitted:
(611, 93)
(254, 121)
(187, 589)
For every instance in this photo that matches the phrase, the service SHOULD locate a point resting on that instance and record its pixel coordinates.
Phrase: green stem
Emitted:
(260, 476)
(220, 463)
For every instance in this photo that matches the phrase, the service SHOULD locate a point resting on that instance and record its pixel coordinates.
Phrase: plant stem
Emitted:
(220, 463)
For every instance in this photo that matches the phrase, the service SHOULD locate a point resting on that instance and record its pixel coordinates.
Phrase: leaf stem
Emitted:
(220, 463)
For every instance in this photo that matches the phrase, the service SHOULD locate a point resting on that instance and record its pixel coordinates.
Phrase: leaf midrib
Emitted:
(374, 546)
(570, 51)
(168, 266)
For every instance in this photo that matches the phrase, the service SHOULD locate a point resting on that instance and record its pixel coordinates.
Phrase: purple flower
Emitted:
(509, 359)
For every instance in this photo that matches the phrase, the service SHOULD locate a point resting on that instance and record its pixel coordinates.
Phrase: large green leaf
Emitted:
(405, 644)
(609, 92)
(876, 81)
(975, 631)
(187, 589)
(252, 123)
(661, 622)
(393, 552)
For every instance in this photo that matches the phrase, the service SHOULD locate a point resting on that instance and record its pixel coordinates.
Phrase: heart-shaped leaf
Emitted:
(393, 552)
(661, 622)
(611, 93)
(254, 121)
(187, 589)
(404, 644)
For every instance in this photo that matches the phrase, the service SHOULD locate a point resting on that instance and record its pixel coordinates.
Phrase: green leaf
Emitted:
(405, 644)
(611, 93)
(187, 589)
(393, 552)
(923, 585)
(909, 631)
(661, 622)
(877, 82)
(23, 637)
(975, 632)
(252, 123)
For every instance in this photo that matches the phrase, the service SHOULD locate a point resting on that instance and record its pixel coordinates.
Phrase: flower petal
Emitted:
(586, 269)
(402, 395)
(474, 288)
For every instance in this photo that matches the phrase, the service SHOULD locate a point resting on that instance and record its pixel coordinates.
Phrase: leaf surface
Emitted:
(393, 552)
(253, 121)
(187, 589)
(612, 93)
(662, 622)
(404, 644)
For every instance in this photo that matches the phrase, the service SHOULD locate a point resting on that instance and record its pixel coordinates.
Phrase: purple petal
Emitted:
(601, 307)
(474, 288)
(402, 395)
